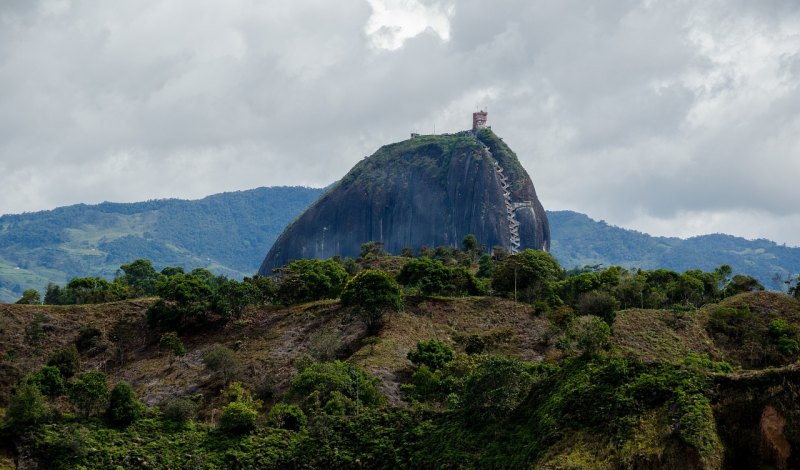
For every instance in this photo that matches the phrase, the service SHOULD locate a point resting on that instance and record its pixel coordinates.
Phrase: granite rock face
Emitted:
(429, 190)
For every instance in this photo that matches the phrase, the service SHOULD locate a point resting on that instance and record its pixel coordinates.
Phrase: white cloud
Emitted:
(676, 117)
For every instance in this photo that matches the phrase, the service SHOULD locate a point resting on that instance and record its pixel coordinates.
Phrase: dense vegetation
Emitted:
(465, 401)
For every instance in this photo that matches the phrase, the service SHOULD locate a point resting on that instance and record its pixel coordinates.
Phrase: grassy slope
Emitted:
(270, 340)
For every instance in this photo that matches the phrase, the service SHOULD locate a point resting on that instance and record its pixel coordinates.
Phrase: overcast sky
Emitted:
(670, 117)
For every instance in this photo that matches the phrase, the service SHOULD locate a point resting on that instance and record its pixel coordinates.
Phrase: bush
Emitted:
(223, 360)
(434, 354)
(27, 406)
(285, 416)
(495, 388)
(587, 336)
(325, 379)
(89, 393)
(88, 338)
(531, 274)
(310, 279)
(170, 343)
(123, 407)
(66, 360)
(185, 298)
(372, 293)
(599, 304)
(30, 297)
(180, 410)
(238, 417)
(49, 381)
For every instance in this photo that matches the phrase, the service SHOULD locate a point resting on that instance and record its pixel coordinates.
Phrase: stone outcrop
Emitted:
(428, 190)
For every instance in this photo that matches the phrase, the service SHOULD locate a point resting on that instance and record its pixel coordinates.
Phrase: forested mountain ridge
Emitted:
(229, 233)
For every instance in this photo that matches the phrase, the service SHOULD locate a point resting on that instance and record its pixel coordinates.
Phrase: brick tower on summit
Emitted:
(479, 120)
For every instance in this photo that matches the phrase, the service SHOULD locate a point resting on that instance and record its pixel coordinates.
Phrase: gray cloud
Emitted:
(674, 117)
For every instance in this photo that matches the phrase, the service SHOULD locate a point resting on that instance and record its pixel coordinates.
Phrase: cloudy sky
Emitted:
(670, 117)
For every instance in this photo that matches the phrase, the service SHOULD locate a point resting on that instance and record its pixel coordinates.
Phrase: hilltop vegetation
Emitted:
(595, 368)
(80, 241)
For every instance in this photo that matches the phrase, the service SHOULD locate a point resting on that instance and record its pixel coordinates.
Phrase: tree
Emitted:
(170, 342)
(434, 354)
(337, 380)
(240, 414)
(742, 283)
(49, 381)
(264, 286)
(27, 407)
(223, 360)
(141, 277)
(66, 360)
(89, 393)
(286, 416)
(495, 388)
(372, 293)
(30, 297)
(527, 276)
(586, 336)
(310, 279)
(429, 276)
(234, 296)
(184, 298)
(123, 407)
(470, 243)
(372, 250)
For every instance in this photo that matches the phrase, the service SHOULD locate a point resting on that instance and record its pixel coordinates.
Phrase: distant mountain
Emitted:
(230, 232)
(227, 233)
(579, 241)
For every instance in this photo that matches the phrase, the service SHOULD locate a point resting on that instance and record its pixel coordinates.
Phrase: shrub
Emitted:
(66, 360)
(223, 360)
(434, 354)
(324, 379)
(89, 393)
(286, 416)
(180, 410)
(530, 273)
(123, 407)
(49, 381)
(27, 406)
(372, 293)
(170, 343)
(88, 338)
(310, 279)
(238, 417)
(587, 336)
(30, 297)
(599, 304)
(495, 388)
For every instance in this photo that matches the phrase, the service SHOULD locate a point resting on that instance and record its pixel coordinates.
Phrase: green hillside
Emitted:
(228, 233)
(579, 241)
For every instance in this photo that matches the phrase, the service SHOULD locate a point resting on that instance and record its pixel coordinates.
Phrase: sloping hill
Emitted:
(227, 233)
(579, 240)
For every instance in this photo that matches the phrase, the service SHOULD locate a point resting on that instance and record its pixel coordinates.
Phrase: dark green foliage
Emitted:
(27, 407)
(88, 338)
(93, 290)
(372, 294)
(170, 343)
(334, 383)
(180, 410)
(233, 297)
(742, 283)
(496, 387)
(140, 277)
(238, 417)
(433, 353)
(598, 304)
(287, 416)
(89, 393)
(66, 360)
(785, 336)
(185, 299)
(586, 335)
(30, 297)
(310, 279)
(265, 288)
(433, 277)
(49, 381)
(223, 360)
(372, 250)
(123, 407)
(529, 275)
(470, 244)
